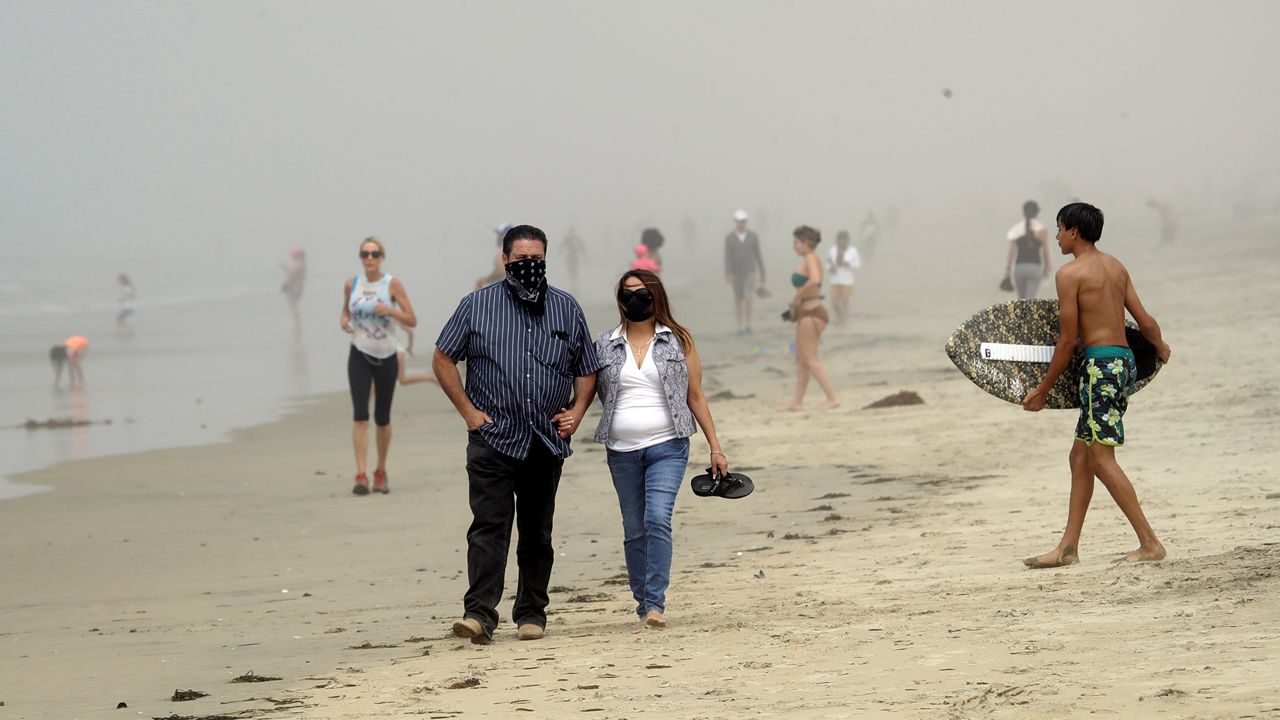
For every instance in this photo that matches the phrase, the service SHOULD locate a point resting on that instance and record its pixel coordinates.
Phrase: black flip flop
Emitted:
(731, 486)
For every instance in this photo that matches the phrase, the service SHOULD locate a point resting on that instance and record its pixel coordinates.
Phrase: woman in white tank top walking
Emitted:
(373, 303)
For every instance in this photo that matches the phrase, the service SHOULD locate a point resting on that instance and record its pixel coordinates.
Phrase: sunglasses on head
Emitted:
(626, 294)
(370, 254)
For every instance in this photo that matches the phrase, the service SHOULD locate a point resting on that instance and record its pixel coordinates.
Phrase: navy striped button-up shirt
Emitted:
(520, 366)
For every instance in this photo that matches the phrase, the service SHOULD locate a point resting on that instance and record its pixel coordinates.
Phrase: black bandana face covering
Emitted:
(637, 305)
(527, 281)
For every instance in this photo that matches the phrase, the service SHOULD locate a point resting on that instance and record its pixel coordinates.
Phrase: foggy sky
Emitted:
(134, 128)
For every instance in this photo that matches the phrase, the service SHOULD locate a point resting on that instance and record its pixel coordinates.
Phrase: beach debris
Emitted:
(59, 423)
(821, 508)
(199, 717)
(370, 646)
(833, 496)
(251, 677)
(906, 397)
(590, 598)
(833, 517)
(185, 695)
(464, 684)
(759, 575)
(797, 536)
(1273, 496)
(562, 589)
(331, 631)
(729, 395)
(415, 639)
(655, 666)
(121, 705)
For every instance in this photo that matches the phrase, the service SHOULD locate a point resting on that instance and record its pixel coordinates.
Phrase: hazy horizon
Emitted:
(171, 132)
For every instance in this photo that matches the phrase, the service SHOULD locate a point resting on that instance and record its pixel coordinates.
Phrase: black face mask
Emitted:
(637, 305)
(527, 281)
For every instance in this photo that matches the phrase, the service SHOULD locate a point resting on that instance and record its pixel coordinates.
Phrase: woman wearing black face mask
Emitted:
(651, 386)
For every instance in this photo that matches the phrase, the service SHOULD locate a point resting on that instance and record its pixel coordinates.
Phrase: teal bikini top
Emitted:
(799, 280)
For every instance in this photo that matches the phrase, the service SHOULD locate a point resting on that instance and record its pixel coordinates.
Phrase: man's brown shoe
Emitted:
(471, 628)
(529, 631)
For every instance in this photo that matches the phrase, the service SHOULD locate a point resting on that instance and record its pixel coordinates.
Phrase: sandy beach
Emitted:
(875, 572)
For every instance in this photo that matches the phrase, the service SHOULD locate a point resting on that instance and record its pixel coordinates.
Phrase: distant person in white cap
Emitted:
(499, 271)
(741, 261)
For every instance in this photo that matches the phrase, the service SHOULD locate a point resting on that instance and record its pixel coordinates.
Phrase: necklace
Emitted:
(639, 349)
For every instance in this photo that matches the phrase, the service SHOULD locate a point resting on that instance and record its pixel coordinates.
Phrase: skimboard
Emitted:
(1005, 350)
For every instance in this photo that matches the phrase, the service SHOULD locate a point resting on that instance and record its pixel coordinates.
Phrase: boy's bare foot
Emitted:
(1052, 559)
(1144, 554)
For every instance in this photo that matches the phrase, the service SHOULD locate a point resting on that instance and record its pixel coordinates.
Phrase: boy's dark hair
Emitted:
(1082, 217)
(522, 232)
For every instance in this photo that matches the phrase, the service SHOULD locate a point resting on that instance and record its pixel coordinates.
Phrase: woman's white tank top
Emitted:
(374, 336)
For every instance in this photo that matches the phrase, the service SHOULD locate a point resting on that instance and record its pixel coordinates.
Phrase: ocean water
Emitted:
(213, 349)
(213, 346)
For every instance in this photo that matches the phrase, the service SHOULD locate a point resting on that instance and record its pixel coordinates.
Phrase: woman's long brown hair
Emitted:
(661, 306)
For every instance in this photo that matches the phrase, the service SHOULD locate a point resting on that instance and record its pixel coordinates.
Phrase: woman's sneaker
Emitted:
(362, 485)
(380, 482)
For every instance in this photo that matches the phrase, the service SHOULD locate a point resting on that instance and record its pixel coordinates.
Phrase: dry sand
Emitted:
(876, 571)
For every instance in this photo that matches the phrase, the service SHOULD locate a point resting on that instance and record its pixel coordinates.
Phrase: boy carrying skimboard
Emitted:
(1094, 290)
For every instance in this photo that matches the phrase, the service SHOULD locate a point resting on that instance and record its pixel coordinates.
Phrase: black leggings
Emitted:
(364, 371)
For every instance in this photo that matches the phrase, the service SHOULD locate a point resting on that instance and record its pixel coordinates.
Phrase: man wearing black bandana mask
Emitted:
(531, 375)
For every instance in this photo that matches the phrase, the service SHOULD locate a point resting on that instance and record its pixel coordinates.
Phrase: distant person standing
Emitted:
(496, 273)
(128, 301)
(373, 304)
(531, 375)
(742, 260)
(810, 317)
(295, 276)
(574, 251)
(648, 254)
(869, 235)
(1028, 261)
(842, 261)
(70, 353)
(1168, 220)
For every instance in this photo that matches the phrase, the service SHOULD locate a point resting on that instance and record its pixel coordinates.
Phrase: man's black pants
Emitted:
(503, 489)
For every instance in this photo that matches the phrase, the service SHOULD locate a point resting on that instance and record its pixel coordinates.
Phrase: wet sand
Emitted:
(876, 570)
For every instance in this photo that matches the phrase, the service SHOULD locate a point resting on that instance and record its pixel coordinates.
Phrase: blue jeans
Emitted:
(647, 481)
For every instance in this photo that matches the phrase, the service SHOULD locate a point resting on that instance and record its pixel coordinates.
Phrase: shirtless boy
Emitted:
(1094, 290)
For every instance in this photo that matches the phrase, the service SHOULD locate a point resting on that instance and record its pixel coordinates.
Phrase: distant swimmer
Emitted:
(374, 304)
(1028, 260)
(810, 317)
(1094, 290)
(69, 353)
(742, 261)
(869, 235)
(295, 276)
(1169, 223)
(498, 271)
(842, 261)
(128, 301)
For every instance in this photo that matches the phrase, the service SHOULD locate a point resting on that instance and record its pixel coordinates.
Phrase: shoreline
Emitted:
(167, 569)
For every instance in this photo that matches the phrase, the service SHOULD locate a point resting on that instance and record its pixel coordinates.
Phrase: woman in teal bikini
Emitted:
(810, 317)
